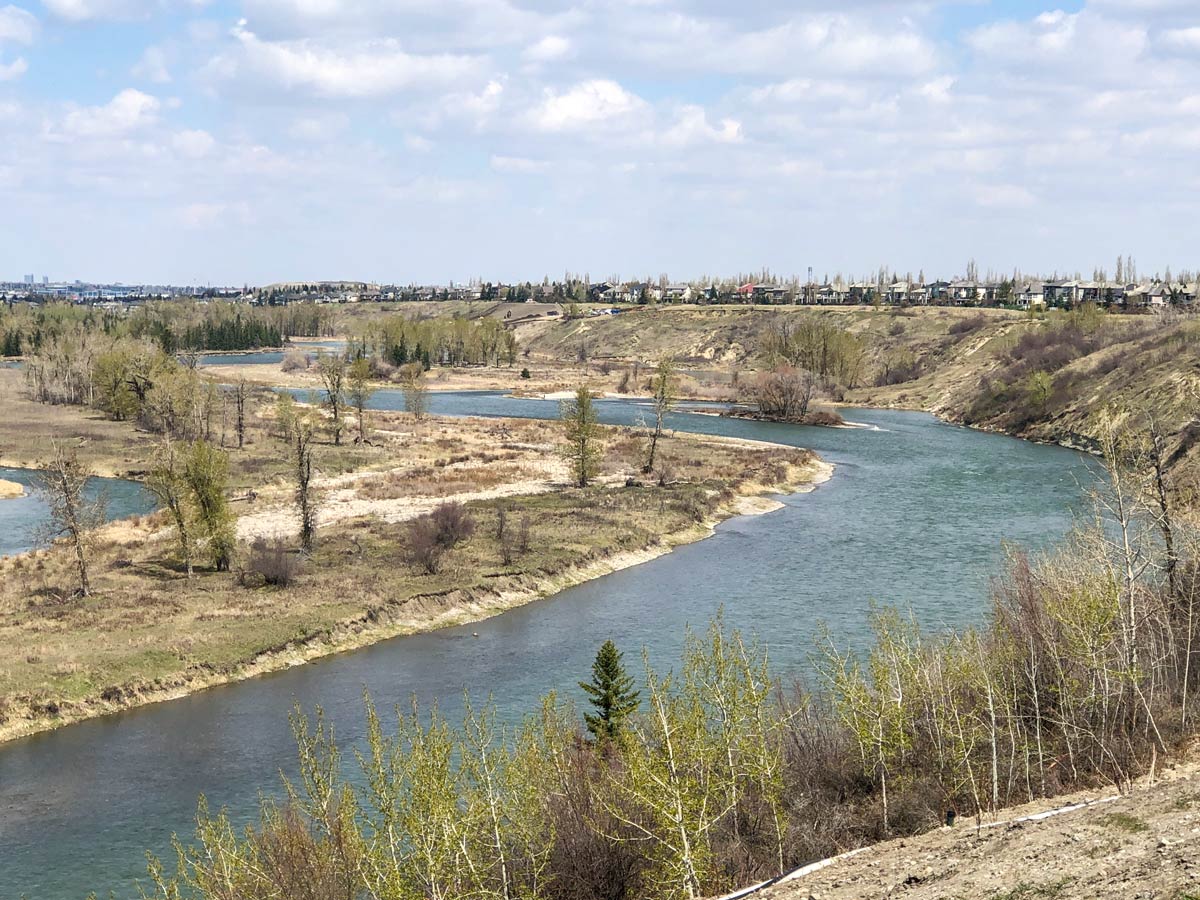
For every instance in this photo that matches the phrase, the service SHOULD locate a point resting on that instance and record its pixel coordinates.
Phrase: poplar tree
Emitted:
(665, 396)
(611, 692)
(583, 449)
(71, 514)
(206, 470)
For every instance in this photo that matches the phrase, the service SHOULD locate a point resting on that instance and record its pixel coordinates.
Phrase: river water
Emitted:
(915, 515)
(21, 517)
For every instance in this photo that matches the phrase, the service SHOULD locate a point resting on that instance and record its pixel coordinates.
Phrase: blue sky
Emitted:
(232, 141)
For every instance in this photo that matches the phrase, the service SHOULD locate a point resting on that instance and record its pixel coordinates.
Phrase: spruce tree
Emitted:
(611, 692)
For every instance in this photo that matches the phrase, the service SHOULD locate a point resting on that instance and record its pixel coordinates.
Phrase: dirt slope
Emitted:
(1142, 845)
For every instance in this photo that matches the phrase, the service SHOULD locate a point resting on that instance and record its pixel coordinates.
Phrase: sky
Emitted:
(251, 141)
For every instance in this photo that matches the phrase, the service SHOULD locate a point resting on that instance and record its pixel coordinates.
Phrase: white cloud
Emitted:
(1187, 39)
(417, 143)
(320, 127)
(692, 127)
(90, 10)
(17, 25)
(13, 70)
(152, 66)
(518, 165)
(361, 69)
(127, 111)
(587, 103)
(548, 49)
(192, 143)
(1004, 196)
(207, 215)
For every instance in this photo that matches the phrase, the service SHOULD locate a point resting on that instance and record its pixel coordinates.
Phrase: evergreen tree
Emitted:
(611, 692)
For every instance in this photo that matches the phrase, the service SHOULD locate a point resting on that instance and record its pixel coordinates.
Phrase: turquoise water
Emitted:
(269, 357)
(20, 518)
(915, 515)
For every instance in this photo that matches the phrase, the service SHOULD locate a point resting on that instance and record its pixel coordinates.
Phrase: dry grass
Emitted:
(149, 630)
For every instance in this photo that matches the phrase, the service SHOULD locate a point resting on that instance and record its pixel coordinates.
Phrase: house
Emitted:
(832, 293)
(763, 293)
(965, 293)
(1030, 295)
(678, 293)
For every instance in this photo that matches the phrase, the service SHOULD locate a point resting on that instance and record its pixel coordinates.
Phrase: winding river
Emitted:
(915, 515)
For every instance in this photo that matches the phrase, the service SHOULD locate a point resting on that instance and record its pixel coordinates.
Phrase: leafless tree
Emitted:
(785, 393)
(73, 515)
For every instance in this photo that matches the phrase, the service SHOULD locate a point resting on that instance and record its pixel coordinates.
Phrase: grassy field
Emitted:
(149, 632)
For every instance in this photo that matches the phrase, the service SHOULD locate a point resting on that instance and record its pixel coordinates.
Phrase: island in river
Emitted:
(150, 633)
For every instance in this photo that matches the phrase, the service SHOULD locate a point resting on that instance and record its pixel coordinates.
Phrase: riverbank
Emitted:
(151, 635)
(1141, 842)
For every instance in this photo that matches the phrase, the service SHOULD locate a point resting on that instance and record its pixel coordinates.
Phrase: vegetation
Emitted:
(666, 395)
(172, 327)
(1084, 673)
(205, 471)
(785, 393)
(445, 341)
(581, 428)
(61, 485)
(416, 391)
(611, 693)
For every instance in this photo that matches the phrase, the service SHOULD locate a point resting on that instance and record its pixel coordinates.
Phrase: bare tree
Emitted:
(665, 397)
(167, 482)
(239, 397)
(416, 393)
(306, 501)
(785, 393)
(360, 394)
(333, 371)
(62, 485)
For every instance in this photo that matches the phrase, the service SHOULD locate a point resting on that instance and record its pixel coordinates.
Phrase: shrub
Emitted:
(294, 361)
(431, 535)
(525, 374)
(270, 562)
(968, 325)
(899, 369)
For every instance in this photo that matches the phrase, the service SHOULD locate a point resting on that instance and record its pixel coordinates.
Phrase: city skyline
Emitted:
(254, 141)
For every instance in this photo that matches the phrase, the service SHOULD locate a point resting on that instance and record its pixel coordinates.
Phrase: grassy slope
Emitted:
(1141, 362)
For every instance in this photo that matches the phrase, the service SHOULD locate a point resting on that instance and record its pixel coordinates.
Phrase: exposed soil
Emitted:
(1145, 844)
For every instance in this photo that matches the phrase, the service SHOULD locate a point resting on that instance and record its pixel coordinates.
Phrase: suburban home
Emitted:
(1030, 294)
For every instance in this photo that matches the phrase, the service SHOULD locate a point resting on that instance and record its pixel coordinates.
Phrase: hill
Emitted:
(1046, 377)
(1143, 844)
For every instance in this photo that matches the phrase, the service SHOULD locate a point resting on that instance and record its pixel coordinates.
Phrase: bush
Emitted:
(294, 361)
(525, 374)
(968, 325)
(431, 535)
(270, 562)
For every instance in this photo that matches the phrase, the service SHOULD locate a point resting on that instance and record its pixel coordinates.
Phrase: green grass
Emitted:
(1125, 822)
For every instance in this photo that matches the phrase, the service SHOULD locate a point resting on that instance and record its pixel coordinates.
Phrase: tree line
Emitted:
(443, 341)
(174, 327)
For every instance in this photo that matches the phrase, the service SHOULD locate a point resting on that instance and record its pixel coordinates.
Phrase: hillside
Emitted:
(1143, 844)
(1044, 378)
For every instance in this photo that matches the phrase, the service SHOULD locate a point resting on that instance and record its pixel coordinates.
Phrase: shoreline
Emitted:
(378, 624)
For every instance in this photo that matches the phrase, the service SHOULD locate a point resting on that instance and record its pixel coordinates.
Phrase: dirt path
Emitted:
(1144, 845)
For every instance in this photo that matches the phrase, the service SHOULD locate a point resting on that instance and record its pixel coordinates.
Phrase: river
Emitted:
(915, 515)
(20, 518)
